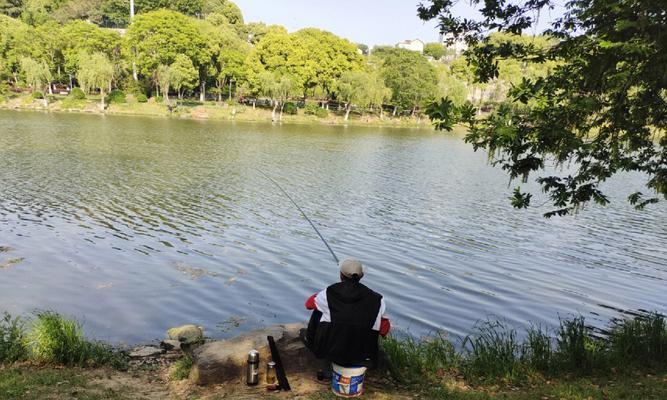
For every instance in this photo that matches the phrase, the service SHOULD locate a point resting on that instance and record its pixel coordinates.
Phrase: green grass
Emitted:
(181, 369)
(492, 351)
(577, 350)
(13, 346)
(55, 339)
(412, 359)
(641, 341)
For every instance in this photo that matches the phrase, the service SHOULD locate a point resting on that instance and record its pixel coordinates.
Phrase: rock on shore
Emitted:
(225, 361)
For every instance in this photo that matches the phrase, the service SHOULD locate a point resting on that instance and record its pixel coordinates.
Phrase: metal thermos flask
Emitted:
(252, 371)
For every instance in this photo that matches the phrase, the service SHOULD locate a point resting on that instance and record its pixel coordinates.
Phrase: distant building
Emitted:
(412, 45)
(458, 46)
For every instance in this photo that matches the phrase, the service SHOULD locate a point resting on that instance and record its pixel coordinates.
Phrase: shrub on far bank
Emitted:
(12, 340)
(77, 94)
(314, 109)
(116, 97)
(37, 95)
(290, 108)
(141, 98)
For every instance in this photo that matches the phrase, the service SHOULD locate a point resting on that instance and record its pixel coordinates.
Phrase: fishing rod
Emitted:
(302, 213)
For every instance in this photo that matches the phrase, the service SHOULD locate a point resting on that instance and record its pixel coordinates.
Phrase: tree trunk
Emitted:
(413, 112)
(273, 114)
(202, 91)
(180, 94)
(348, 108)
(102, 99)
(135, 76)
(282, 107)
(254, 104)
(395, 111)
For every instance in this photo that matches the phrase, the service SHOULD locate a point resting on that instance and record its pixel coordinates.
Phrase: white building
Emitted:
(458, 46)
(413, 45)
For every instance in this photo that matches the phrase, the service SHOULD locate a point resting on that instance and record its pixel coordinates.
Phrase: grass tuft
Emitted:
(55, 339)
(412, 359)
(181, 369)
(578, 350)
(12, 339)
(640, 341)
(492, 351)
(537, 349)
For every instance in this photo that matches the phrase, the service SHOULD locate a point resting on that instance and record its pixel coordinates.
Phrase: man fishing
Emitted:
(347, 320)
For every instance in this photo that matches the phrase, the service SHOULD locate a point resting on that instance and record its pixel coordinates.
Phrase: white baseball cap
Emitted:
(351, 267)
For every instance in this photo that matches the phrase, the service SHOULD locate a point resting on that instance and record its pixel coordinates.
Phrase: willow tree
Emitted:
(601, 111)
(96, 72)
(37, 75)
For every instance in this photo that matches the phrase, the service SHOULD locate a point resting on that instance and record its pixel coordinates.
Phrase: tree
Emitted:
(88, 10)
(411, 78)
(95, 72)
(275, 54)
(321, 58)
(183, 74)
(157, 37)
(163, 79)
(37, 75)
(363, 48)
(435, 50)
(601, 111)
(256, 31)
(79, 37)
(12, 8)
(231, 68)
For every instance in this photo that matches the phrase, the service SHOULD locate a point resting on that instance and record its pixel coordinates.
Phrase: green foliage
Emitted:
(55, 339)
(37, 95)
(435, 50)
(77, 93)
(290, 108)
(599, 108)
(37, 74)
(116, 97)
(537, 350)
(412, 79)
(492, 351)
(181, 369)
(414, 361)
(12, 339)
(95, 72)
(183, 73)
(158, 37)
(576, 349)
(141, 98)
(79, 39)
(640, 341)
(314, 109)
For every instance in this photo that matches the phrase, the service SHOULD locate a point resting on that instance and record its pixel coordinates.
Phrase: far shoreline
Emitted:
(209, 111)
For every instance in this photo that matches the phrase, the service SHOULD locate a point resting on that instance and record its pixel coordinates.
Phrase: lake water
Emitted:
(134, 225)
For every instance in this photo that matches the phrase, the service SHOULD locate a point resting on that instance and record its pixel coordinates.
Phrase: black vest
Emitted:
(349, 339)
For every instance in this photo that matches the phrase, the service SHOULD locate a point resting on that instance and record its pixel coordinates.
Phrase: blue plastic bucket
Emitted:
(347, 382)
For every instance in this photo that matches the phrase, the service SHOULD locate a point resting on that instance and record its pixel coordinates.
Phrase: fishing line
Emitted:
(302, 213)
